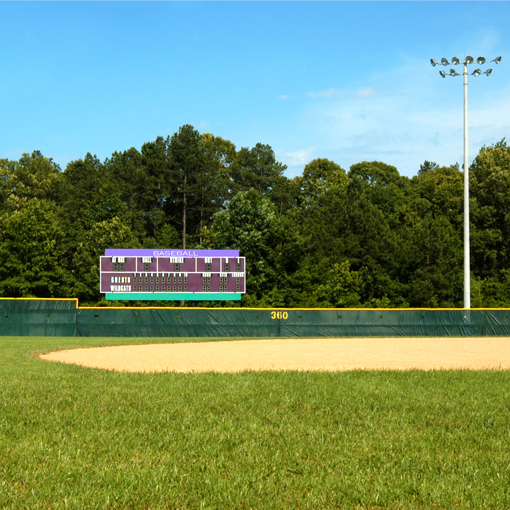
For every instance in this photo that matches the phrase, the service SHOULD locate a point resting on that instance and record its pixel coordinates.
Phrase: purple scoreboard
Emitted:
(172, 275)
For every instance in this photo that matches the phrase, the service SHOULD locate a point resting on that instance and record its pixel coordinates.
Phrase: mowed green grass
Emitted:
(73, 437)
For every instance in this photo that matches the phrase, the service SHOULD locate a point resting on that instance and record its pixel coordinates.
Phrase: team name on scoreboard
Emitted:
(166, 272)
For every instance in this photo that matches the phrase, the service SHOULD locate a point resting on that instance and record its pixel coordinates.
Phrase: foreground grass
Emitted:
(72, 437)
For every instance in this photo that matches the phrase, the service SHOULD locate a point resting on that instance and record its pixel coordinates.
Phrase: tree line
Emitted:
(366, 237)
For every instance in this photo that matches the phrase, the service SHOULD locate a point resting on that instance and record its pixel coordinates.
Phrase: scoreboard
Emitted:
(172, 275)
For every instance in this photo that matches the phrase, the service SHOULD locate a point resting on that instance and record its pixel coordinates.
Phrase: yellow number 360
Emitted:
(279, 315)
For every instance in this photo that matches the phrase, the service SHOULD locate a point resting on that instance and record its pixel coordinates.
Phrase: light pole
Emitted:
(477, 72)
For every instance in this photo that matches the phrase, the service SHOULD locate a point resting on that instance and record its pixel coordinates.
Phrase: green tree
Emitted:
(375, 173)
(89, 197)
(213, 181)
(436, 279)
(490, 210)
(342, 288)
(439, 192)
(427, 166)
(384, 187)
(6, 187)
(286, 193)
(128, 174)
(246, 226)
(256, 168)
(32, 253)
(287, 247)
(189, 162)
(111, 233)
(32, 176)
(159, 179)
(319, 177)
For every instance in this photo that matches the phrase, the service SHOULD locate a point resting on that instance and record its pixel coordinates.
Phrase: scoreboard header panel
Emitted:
(172, 274)
(123, 252)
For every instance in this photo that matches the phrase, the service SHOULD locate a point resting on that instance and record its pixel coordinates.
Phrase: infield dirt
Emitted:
(325, 354)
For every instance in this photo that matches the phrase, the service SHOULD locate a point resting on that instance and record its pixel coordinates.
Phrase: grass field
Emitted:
(72, 437)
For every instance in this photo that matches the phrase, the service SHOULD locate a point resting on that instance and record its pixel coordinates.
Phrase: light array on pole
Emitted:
(477, 72)
(468, 60)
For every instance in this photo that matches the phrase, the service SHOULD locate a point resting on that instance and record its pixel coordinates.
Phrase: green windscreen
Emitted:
(41, 317)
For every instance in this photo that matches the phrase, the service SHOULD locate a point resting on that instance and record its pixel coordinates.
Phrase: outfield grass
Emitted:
(72, 437)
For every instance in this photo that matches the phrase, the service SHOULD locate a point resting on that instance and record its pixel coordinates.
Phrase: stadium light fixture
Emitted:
(477, 72)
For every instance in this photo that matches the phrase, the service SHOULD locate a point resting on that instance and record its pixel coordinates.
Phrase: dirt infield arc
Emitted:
(327, 354)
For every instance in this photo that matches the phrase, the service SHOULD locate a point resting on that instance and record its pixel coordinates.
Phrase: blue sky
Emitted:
(347, 81)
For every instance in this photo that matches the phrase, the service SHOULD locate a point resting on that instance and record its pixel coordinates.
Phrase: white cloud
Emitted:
(204, 125)
(365, 92)
(284, 97)
(405, 115)
(12, 154)
(330, 93)
(299, 157)
(487, 43)
(339, 94)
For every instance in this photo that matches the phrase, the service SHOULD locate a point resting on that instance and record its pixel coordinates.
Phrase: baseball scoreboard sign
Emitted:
(169, 275)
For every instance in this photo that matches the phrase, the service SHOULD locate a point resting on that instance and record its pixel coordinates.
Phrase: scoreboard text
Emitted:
(128, 274)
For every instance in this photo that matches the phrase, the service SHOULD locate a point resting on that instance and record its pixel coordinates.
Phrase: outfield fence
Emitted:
(64, 317)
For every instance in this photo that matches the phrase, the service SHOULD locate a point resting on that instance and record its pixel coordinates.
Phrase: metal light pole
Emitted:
(477, 72)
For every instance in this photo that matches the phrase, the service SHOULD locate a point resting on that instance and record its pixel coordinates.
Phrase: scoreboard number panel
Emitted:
(194, 275)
